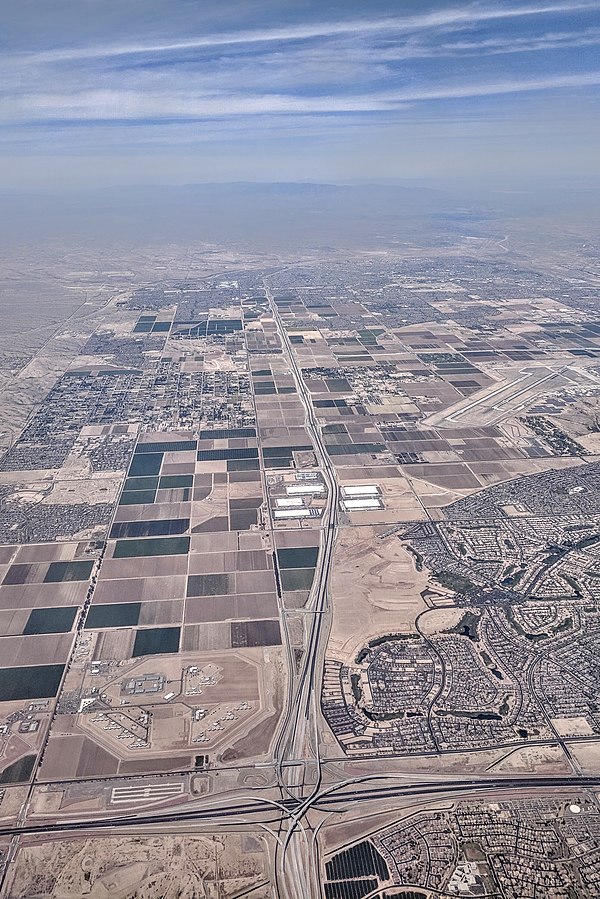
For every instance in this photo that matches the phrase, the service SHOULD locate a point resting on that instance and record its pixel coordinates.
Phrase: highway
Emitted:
(297, 879)
(339, 796)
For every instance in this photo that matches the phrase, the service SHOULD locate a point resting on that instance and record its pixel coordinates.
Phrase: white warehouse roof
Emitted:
(305, 488)
(357, 505)
(361, 490)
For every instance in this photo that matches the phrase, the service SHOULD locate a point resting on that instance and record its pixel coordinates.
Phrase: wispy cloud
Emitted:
(552, 82)
(468, 16)
(121, 105)
(589, 37)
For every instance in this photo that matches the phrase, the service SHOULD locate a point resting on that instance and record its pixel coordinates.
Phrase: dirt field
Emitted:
(33, 596)
(153, 511)
(140, 589)
(152, 867)
(385, 589)
(47, 552)
(166, 612)
(88, 488)
(533, 759)
(147, 566)
(218, 542)
(41, 649)
(76, 756)
(587, 755)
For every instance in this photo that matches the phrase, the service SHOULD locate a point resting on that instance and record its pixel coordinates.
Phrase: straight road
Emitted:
(300, 725)
(340, 796)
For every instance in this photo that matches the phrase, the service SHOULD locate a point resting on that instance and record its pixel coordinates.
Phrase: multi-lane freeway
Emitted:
(339, 796)
(299, 731)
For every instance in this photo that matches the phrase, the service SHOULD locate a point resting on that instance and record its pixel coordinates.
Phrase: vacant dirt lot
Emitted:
(375, 586)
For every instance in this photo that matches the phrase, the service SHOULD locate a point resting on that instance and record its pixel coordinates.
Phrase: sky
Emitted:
(97, 93)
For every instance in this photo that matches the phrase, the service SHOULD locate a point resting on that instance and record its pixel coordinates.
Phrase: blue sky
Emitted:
(102, 92)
